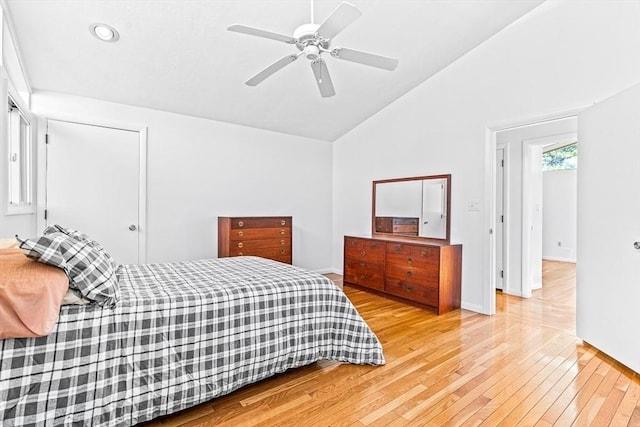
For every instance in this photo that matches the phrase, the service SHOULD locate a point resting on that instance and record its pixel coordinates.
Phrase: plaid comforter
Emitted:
(181, 334)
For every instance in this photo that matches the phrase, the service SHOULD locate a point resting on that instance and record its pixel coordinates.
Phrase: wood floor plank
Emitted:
(537, 410)
(523, 366)
(628, 405)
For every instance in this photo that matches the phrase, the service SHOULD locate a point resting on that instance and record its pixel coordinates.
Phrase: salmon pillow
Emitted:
(30, 295)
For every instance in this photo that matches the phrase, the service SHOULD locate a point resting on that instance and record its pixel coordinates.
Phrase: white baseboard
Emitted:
(517, 293)
(553, 258)
(326, 270)
(472, 307)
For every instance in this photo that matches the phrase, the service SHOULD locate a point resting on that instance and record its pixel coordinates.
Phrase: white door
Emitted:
(434, 208)
(500, 218)
(608, 264)
(93, 184)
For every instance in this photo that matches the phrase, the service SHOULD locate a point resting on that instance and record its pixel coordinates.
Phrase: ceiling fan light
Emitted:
(312, 52)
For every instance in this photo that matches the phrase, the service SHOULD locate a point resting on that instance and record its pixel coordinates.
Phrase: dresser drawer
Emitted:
(359, 265)
(249, 245)
(414, 274)
(369, 277)
(363, 248)
(262, 252)
(420, 293)
(260, 222)
(259, 233)
(405, 229)
(411, 255)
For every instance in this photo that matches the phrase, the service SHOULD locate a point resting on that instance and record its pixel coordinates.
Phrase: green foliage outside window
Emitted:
(561, 158)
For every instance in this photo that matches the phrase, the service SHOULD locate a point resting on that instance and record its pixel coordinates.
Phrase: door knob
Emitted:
(132, 227)
(636, 245)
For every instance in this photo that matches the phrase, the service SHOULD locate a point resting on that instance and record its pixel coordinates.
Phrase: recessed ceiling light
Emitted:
(104, 32)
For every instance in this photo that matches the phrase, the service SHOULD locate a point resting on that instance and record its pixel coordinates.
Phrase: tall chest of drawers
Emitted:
(424, 273)
(263, 236)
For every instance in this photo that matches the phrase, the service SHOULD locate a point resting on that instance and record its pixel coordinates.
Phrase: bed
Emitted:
(179, 334)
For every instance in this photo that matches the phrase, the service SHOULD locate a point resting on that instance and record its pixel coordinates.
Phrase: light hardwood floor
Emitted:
(523, 366)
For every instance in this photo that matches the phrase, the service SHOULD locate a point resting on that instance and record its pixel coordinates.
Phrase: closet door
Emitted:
(608, 257)
(93, 186)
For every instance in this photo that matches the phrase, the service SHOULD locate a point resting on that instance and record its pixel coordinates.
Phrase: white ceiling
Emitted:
(176, 55)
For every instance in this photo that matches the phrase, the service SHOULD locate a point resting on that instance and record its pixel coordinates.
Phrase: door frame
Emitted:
(489, 198)
(505, 212)
(142, 131)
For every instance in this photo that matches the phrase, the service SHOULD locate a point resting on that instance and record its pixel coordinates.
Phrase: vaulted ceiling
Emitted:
(177, 56)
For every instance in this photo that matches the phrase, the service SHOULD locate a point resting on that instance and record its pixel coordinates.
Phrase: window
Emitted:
(19, 159)
(565, 157)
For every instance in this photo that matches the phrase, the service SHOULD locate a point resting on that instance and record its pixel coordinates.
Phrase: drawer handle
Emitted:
(409, 273)
(282, 232)
(409, 288)
(362, 263)
(282, 251)
(240, 223)
(240, 233)
(424, 252)
(398, 248)
(282, 242)
(363, 253)
(354, 243)
(410, 260)
(240, 254)
(240, 245)
(283, 222)
(362, 277)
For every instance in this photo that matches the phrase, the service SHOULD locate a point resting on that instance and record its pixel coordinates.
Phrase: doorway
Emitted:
(608, 267)
(96, 183)
(519, 207)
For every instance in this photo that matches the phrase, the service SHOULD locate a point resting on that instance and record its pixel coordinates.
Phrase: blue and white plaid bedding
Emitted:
(181, 334)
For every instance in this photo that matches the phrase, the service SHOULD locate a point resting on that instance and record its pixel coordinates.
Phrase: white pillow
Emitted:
(8, 242)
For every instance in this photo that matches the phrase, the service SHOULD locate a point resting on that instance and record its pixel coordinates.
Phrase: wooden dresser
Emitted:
(425, 273)
(263, 236)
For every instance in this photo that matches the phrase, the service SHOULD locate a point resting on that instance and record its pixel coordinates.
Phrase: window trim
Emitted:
(30, 206)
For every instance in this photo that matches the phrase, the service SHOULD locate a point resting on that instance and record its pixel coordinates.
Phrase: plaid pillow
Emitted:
(75, 233)
(90, 270)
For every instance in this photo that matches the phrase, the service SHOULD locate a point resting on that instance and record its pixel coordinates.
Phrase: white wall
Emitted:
(559, 218)
(562, 55)
(200, 169)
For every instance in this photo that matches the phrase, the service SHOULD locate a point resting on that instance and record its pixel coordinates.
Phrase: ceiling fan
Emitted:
(312, 40)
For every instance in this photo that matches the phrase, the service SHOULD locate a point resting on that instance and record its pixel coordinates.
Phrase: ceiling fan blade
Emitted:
(365, 58)
(279, 64)
(260, 33)
(339, 19)
(321, 72)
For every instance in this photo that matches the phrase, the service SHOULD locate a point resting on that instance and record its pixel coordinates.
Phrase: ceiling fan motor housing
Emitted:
(309, 41)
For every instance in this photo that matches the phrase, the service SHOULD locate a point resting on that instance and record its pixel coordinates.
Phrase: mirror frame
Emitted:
(374, 233)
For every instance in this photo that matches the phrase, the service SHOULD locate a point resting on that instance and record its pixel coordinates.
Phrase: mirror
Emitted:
(416, 207)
